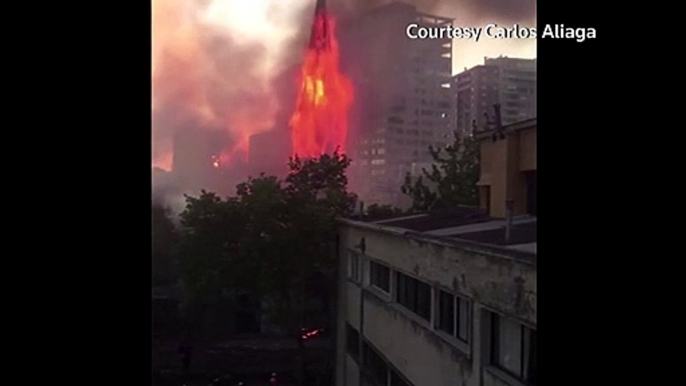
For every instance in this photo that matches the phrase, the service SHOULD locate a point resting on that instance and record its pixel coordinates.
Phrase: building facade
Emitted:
(416, 309)
(403, 102)
(510, 82)
(433, 299)
(508, 169)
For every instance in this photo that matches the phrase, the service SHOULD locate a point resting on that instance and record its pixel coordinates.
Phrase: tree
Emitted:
(164, 244)
(452, 179)
(210, 244)
(270, 238)
(376, 211)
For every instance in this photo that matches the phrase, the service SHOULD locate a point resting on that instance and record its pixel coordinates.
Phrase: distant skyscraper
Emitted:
(403, 101)
(511, 82)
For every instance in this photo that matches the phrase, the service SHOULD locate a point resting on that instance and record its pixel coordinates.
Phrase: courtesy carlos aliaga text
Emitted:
(494, 31)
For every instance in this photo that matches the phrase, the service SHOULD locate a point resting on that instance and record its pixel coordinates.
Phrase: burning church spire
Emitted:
(319, 37)
(319, 123)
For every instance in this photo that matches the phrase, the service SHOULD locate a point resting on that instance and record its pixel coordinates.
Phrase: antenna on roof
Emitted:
(498, 123)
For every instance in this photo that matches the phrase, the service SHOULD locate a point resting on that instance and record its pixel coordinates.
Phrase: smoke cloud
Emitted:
(229, 65)
(214, 65)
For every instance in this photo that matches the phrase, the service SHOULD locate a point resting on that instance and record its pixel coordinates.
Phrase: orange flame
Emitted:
(320, 121)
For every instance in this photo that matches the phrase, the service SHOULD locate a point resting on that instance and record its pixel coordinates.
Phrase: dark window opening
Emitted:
(414, 295)
(375, 367)
(446, 317)
(454, 315)
(352, 341)
(380, 276)
(397, 380)
(513, 349)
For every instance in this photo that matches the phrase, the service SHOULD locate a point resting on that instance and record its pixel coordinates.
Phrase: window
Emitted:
(414, 295)
(380, 276)
(514, 348)
(352, 341)
(375, 366)
(397, 380)
(354, 267)
(446, 312)
(453, 315)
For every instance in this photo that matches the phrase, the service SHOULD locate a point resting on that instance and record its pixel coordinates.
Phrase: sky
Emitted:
(479, 13)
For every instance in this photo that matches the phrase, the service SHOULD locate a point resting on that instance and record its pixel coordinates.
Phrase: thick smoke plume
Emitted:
(503, 11)
(229, 65)
(214, 64)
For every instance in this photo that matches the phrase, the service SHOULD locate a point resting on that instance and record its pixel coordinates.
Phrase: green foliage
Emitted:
(379, 211)
(452, 179)
(270, 237)
(164, 244)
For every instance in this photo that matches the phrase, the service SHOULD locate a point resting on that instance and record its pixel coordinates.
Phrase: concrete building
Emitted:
(446, 298)
(403, 102)
(511, 82)
(508, 169)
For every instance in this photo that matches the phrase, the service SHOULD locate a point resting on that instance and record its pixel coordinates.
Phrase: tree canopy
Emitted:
(164, 244)
(270, 237)
(451, 180)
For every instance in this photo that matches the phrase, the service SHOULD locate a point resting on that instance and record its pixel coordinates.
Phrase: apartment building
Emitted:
(510, 82)
(403, 102)
(448, 298)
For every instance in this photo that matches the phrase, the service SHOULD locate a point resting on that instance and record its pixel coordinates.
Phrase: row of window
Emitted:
(452, 312)
(512, 345)
(374, 151)
(512, 350)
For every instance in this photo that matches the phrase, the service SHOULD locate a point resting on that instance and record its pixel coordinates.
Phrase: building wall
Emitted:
(511, 82)
(403, 103)
(490, 278)
(527, 150)
(517, 87)
(503, 166)
(476, 91)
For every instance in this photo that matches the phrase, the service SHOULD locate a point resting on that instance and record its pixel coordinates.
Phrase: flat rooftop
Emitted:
(467, 223)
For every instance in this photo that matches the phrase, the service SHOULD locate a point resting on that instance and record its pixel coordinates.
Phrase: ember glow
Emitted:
(320, 121)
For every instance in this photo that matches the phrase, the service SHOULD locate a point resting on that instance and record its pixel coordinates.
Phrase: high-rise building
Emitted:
(403, 102)
(510, 82)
